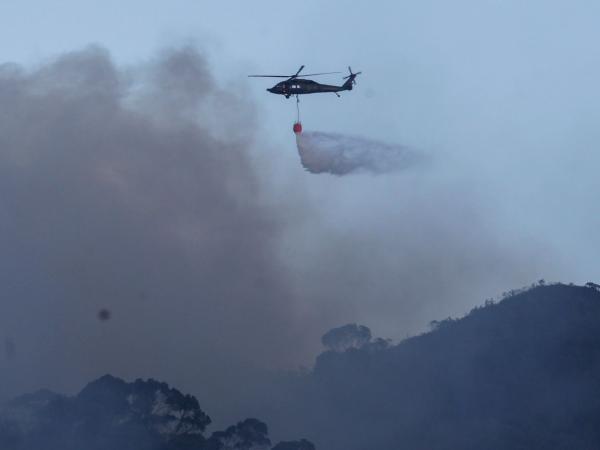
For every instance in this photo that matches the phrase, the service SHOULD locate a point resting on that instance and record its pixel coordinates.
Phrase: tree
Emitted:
(346, 337)
(302, 444)
(251, 434)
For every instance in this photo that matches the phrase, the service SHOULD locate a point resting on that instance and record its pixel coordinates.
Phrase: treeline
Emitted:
(520, 372)
(111, 414)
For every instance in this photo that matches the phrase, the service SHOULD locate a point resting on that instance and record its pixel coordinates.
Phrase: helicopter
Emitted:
(294, 85)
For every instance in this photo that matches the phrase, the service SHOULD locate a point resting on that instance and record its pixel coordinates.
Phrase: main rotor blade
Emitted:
(315, 74)
(293, 76)
(299, 70)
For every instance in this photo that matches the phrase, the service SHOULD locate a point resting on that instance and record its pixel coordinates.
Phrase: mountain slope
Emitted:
(521, 373)
(110, 414)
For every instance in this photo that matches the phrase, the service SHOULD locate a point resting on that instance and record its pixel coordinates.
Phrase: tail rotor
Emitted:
(352, 76)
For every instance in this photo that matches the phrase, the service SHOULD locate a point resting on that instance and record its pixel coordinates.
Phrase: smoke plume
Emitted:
(119, 192)
(341, 154)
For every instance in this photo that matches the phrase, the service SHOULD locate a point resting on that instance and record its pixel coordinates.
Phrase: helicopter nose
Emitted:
(269, 89)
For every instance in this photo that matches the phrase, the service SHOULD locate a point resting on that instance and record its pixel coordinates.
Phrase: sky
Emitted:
(502, 96)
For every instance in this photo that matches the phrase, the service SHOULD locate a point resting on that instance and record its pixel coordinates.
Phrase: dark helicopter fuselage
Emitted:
(301, 86)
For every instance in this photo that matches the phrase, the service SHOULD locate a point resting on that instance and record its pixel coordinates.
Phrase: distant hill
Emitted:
(110, 414)
(522, 373)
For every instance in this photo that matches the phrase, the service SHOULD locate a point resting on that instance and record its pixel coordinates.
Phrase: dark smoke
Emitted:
(120, 193)
(341, 154)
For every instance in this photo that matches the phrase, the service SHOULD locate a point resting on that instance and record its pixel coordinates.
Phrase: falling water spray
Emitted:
(340, 154)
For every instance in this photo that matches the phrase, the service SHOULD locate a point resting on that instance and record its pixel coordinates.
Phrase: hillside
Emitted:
(520, 373)
(110, 414)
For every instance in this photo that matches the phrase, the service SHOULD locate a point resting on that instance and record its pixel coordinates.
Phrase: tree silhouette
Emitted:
(346, 337)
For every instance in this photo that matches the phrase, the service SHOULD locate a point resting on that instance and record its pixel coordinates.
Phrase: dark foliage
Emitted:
(302, 444)
(523, 373)
(108, 413)
(111, 414)
(247, 435)
(346, 337)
